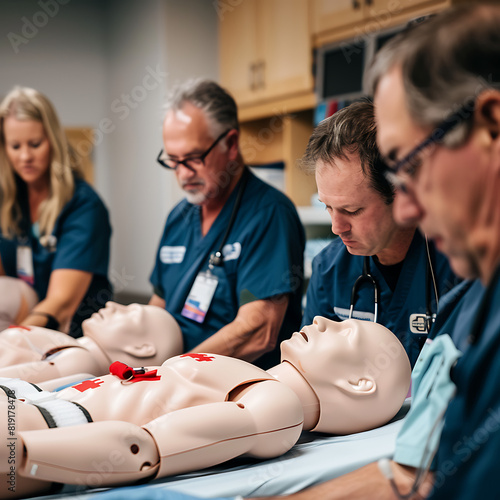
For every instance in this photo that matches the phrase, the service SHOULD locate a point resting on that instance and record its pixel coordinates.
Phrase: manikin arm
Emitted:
(75, 359)
(266, 421)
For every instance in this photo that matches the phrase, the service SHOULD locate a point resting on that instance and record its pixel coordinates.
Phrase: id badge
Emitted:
(200, 297)
(25, 264)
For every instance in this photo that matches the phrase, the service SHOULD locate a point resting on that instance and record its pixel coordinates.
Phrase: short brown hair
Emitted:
(350, 131)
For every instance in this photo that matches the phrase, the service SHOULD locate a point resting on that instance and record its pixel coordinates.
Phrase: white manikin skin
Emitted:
(135, 334)
(17, 299)
(206, 409)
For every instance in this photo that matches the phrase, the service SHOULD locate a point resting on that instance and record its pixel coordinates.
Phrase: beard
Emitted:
(195, 198)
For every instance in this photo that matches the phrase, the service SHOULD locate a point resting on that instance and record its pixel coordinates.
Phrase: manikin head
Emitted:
(135, 334)
(358, 369)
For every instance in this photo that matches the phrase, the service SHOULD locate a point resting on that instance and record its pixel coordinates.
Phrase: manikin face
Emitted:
(360, 216)
(444, 194)
(186, 134)
(117, 328)
(28, 150)
(324, 345)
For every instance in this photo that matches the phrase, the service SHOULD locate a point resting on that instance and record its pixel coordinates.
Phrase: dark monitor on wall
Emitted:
(340, 70)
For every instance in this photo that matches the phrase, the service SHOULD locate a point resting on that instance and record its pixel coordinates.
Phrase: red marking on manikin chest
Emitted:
(198, 357)
(21, 327)
(88, 384)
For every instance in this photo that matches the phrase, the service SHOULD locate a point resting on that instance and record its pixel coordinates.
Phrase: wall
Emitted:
(181, 43)
(107, 64)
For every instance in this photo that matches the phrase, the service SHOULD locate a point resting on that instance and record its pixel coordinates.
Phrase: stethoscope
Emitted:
(217, 258)
(430, 284)
(366, 277)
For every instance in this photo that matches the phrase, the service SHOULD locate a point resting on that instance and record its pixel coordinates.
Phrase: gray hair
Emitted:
(446, 63)
(350, 130)
(217, 104)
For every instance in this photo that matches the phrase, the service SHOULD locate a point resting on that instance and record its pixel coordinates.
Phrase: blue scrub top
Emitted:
(82, 233)
(263, 257)
(432, 384)
(467, 464)
(334, 271)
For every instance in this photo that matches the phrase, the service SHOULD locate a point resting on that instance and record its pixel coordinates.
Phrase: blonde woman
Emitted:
(54, 229)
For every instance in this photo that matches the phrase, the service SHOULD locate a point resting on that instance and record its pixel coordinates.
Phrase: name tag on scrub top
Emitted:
(25, 264)
(200, 297)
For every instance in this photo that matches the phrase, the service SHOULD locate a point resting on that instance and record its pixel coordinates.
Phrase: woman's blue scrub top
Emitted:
(82, 235)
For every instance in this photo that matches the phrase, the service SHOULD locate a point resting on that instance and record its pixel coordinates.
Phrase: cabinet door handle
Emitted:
(252, 83)
(262, 79)
(356, 4)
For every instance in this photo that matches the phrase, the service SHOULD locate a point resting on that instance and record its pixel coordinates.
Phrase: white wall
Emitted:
(173, 39)
(107, 64)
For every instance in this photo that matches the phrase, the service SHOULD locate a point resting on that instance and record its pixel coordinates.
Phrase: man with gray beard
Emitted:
(229, 264)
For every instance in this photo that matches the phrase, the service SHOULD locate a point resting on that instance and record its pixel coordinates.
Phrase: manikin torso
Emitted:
(145, 400)
(21, 345)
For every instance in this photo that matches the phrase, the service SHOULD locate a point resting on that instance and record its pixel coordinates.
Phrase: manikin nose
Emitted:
(320, 322)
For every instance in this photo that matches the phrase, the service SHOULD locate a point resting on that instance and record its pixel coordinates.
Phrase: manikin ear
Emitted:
(361, 387)
(141, 351)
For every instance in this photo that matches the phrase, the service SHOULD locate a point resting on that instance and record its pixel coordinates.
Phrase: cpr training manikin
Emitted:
(198, 410)
(135, 334)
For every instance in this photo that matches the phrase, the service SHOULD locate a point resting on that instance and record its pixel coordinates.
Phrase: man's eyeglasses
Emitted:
(405, 169)
(193, 162)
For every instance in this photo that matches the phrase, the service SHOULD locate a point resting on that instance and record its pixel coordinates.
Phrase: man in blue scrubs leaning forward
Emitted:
(229, 263)
(407, 272)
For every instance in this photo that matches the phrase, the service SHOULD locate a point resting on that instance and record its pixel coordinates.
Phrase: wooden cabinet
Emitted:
(281, 138)
(266, 63)
(334, 20)
(332, 14)
(265, 50)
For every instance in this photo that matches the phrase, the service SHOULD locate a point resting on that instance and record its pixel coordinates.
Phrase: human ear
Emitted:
(488, 112)
(232, 142)
(361, 387)
(141, 351)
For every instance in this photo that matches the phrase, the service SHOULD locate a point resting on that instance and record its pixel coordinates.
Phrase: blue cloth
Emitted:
(147, 493)
(82, 233)
(263, 257)
(467, 458)
(334, 271)
(431, 390)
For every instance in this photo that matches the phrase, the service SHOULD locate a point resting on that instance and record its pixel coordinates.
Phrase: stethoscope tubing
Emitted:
(367, 277)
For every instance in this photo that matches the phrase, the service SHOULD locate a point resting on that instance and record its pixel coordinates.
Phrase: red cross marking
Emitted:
(198, 357)
(88, 384)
